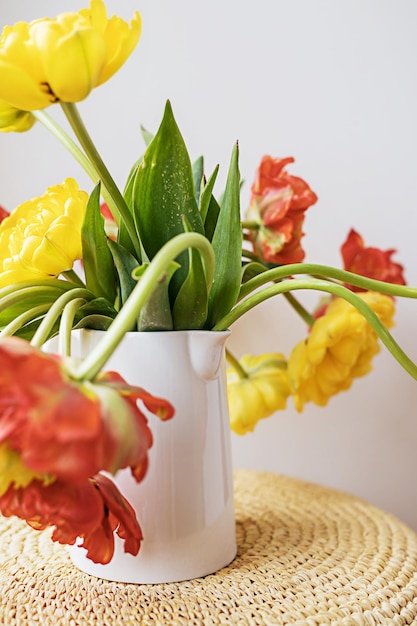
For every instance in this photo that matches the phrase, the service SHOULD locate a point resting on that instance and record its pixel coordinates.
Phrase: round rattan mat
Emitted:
(307, 555)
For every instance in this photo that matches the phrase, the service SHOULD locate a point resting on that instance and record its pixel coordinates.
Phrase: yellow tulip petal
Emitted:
(19, 90)
(120, 43)
(14, 120)
(263, 391)
(41, 238)
(339, 348)
(81, 54)
(64, 58)
(348, 348)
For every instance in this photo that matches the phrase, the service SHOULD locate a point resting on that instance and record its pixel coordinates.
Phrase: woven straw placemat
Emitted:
(307, 556)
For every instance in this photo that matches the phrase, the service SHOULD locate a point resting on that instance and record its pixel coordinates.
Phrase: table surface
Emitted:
(307, 555)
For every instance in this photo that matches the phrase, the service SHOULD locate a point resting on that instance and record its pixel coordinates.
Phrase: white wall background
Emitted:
(334, 85)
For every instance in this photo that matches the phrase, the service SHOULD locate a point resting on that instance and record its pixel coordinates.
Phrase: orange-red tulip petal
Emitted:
(370, 262)
(91, 511)
(68, 428)
(277, 206)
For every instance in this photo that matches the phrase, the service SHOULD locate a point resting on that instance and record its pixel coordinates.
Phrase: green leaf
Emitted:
(95, 321)
(128, 190)
(198, 176)
(252, 269)
(191, 304)
(211, 218)
(123, 236)
(97, 259)
(156, 313)
(98, 306)
(227, 245)
(163, 192)
(147, 136)
(206, 194)
(209, 208)
(125, 263)
(97, 314)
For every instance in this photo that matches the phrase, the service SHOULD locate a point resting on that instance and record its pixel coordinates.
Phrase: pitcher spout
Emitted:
(206, 349)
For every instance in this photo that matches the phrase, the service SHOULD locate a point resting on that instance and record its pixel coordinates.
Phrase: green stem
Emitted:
(298, 307)
(248, 254)
(233, 361)
(47, 324)
(43, 286)
(10, 297)
(285, 271)
(337, 290)
(19, 321)
(65, 326)
(50, 124)
(128, 314)
(118, 203)
(251, 225)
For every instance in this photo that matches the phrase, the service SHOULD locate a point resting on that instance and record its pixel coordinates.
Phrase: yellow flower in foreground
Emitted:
(263, 391)
(41, 238)
(63, 58)
(14, 120)
(339, 348)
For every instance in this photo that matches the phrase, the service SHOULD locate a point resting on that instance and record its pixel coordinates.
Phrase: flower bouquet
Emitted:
(165, 253)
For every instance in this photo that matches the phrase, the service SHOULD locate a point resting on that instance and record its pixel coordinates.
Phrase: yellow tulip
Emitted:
(14, 120)
(263, 390)
(63, 58)
(41, 238)
(339, 348)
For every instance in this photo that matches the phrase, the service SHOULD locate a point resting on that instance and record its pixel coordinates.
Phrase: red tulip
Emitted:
(370, 262)
(278, 204)
(57, 434)
(92, 511)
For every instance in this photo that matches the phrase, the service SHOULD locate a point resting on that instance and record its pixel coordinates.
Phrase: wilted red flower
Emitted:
(66, 428)
(91, 510)
(370, 262)
(56, 434)
(278, 204)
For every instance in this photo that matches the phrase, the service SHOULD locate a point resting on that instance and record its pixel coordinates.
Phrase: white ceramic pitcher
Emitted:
(185, 502)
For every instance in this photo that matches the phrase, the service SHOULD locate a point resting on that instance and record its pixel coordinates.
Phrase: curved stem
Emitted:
(118, 203)
(326, 271)
(50, 124)
(47, 324)
(337, 290)
(234, 363)
(128, 314)
(51, 284)
(15, 293)
(19, 321)
(65, 326)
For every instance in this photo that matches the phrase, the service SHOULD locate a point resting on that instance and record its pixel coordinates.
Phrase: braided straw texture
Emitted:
(307, 556)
